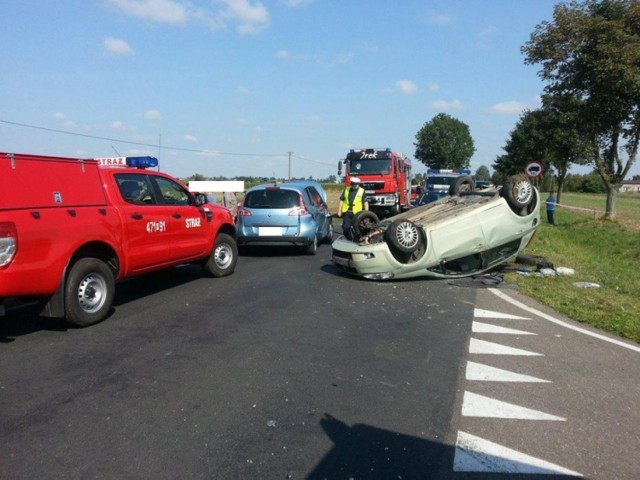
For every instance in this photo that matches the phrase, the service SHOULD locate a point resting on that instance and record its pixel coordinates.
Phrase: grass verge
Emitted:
(600, 251)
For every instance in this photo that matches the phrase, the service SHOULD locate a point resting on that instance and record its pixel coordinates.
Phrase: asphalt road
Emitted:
(290, 370)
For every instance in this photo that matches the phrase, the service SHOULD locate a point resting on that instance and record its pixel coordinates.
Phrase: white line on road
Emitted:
(482, 347)
(486, 373)
(480, 313)
(474, 405)
(479, 327)
(475, 454)
(521, 305)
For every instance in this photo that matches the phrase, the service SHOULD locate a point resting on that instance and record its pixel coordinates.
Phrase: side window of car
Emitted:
(315, 197)
(172, 192)
(135, 189)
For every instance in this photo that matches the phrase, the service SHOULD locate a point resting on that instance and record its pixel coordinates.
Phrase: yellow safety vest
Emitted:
(357, 200)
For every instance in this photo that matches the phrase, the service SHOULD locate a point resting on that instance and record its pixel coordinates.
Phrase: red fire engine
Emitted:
(385, 175)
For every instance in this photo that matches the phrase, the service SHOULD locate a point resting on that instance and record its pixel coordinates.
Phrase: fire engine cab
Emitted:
(71, 228)
(385, 175)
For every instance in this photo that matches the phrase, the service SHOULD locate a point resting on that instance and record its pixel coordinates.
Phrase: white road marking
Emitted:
(480, 313)
(483, 347)
(512, 301)
(479, 327)
(474, 405)
(475, 454)
(485, 373)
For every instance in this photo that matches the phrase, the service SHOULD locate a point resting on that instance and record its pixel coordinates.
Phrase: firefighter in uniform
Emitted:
(352, 201)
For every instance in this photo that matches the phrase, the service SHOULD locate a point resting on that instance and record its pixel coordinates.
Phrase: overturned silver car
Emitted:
(464, 234)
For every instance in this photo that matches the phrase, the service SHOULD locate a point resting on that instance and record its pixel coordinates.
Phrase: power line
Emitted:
(142, 144)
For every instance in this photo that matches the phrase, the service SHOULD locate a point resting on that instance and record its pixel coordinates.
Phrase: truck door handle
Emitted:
(136, 216)
(176, 215)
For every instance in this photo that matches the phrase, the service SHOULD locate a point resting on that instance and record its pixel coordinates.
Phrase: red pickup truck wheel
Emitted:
(224, 257)
(89, 292)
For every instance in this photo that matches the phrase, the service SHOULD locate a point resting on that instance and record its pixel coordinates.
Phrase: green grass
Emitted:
(600, 251)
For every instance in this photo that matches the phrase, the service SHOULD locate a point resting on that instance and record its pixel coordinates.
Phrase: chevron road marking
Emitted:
(475, 454)
(526, 308)
(480, 313)
(474, 405)
(489, 348)
(485, 373)
(479, 327)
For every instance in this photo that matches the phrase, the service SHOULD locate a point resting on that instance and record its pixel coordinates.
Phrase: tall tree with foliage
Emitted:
(551, 135)
(444, 142)
(482, 173)
(591, 51)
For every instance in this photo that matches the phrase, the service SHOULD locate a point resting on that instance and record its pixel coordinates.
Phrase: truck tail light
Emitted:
(8, 242)
(243, 212)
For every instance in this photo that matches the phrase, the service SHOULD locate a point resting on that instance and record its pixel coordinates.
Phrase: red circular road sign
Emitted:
(534, 169)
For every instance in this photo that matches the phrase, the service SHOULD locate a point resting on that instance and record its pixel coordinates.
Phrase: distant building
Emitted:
(630, 186)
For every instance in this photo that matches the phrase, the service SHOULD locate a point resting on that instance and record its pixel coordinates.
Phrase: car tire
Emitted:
(223, 258)
(330, 231)
(363, 222)
(518, 192)
(403, 236)
(89, 292)
(464, 183)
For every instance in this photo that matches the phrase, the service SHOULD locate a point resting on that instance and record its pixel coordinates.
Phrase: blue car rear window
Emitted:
(272, 199)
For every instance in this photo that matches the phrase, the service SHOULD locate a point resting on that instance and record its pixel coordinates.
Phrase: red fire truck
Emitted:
(71, 228)
(385, 175)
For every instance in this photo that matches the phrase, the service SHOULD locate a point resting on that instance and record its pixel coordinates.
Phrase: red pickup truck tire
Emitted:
(223, 258)
(89, 292)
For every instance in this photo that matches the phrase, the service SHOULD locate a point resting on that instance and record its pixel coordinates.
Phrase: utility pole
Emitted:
(290, 166)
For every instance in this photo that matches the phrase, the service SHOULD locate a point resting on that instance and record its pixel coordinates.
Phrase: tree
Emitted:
(482, 173)
(591, 51)
(551, 135)
(444, 142)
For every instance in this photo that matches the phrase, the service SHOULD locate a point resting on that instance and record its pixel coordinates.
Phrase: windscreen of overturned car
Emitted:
(268, 198)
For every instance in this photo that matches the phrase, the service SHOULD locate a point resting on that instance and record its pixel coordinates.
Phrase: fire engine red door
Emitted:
(189, 229)
(146, 223)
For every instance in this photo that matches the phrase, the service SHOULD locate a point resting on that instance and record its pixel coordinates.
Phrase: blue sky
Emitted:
(229, 87)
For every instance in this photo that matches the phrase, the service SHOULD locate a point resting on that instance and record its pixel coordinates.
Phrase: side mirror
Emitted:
(339, 168)
(201, 199)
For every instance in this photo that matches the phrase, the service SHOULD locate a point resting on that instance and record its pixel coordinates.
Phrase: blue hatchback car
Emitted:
(291, 213)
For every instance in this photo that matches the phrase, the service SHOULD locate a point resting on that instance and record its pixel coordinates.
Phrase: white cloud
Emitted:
(433, 87)
(117, 125)
(406, 87)
(507, 108)
(116, 46)
(252, 17)
(190, 138)
(283, 54)
(152, 115)
(64, 121)
(446, 106)
(296, 3)
(163, 11)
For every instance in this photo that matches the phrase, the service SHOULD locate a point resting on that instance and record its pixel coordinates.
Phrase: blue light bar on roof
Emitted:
(142, 162)
(441, 171)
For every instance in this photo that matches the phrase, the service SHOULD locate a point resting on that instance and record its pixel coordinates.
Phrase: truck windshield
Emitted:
(369, 166)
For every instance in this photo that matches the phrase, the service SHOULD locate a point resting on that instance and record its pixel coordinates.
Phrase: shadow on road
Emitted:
(24, 319)
(367, 452)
